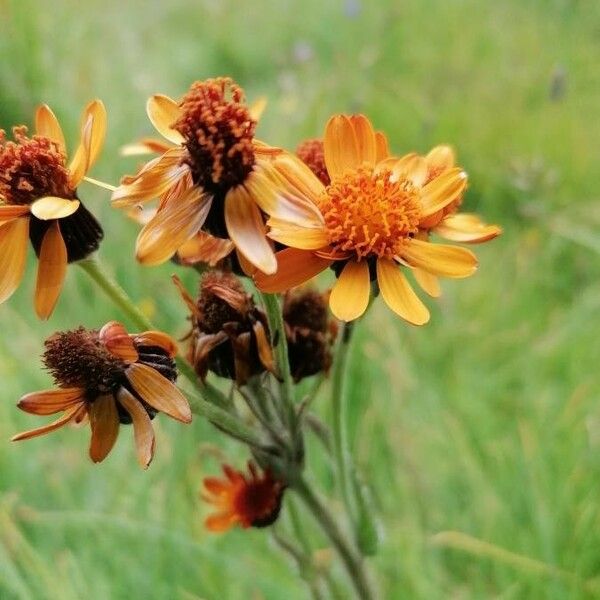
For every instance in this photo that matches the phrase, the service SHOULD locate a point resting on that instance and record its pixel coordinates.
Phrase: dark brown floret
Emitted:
(311, 153)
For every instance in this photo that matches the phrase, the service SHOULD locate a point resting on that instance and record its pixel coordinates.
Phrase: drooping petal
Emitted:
(398, 293)
(466, 228)
(158, 392)
(157, 338)
(70, 415)
(117, 341)
(429, 283)
(293, 268)
(48, 402)
(440, 259)
(350, 295)
(53, 207)
(289, 234)
(186, 296)
(145, 146)
(153, 180)
(10, 212)
(247, 231)
(340, 146)
(172, 226)
(93, 132)
(204, 248)
(14, 239)
(163, 112)
(441, 158)
(47, 124)
(104, 421)
(52, 268)
(143, 431)
(443, 190)
(265, 352)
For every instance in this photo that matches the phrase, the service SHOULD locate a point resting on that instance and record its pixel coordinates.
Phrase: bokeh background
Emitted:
(480, 433)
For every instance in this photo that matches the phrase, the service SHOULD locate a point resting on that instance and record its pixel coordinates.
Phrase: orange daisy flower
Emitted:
(252, 500)
(38, 201)
(367, 225)
(109, 377)
(205, 179)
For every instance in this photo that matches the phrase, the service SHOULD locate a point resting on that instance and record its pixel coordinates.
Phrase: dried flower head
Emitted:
(311, 153)
(110, 377)
(38, 202)
(211, 179)
(247, 500)
(371, 223)
(310, 332)
(229, 332)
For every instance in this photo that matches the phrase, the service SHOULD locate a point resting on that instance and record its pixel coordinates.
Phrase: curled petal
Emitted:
(143, 431)
(93, 132)
(350, 295)
(157, 338)
(70, 415)
(265, 352)
(47, 124)
(145, 146)
(466, 228)
(117, 341)
(53, 207)
(204, 248)
(163, 112)
(52, 268)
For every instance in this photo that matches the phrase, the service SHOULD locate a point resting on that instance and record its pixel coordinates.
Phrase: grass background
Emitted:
(486, 422)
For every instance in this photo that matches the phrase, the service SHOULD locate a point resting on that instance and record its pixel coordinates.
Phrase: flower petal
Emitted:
(49, 402)
(412, 167)
(257, 108)
(157, 338)
(340, 146)
(53, 207)
(293, 268)
(365, 138)
(145, 146)
(143, 431)
(117, 341)
(204, 248)
(440, 259)
(468, 228)
(14, 239)
(158, 392)
(398, 294)
(92, 134)
(163, 112)
(247, 231)
(306, 238)
(52, 268)
(104, 421)
(10, 212)
(441, 158)
(350, 295)
(381, 144)
(429, 283)
(70, 415)
(220, 522)
(172, 226)
(47, 124)
(442, 190)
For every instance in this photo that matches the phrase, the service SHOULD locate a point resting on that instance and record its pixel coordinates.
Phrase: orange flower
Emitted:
(367, 224)
(110, 377)
(38, 200)
(205, 179)
(252, 500)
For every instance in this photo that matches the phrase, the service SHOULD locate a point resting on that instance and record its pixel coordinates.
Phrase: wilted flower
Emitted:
(211, 177)
(38, 201)
(229, 332)
(247, 500)
(110, 377)
(366, 223)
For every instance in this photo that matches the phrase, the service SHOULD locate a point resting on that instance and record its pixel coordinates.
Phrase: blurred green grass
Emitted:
(485, 422)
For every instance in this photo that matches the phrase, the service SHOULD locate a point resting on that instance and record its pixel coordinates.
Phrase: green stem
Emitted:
(350, 556)
(339, 424)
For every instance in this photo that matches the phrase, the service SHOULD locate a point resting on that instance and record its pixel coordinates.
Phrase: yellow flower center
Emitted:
(218, 132)
(31, 168)
(370, 214)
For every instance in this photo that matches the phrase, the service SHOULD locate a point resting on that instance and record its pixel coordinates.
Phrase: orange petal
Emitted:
(52, 268)
(154, 179)
(69, 415)
(467, 228)
(49, 402)
(117, 341)
(305, 238)
(441, 158)
(412, 167)
(365, 138)
(440, 259)
(247, 231)
(381, 143)
(104, 421)
(429, 283)
(163, 112)
(204, 248)
(172, 226)
(92, 134)
(220, 522)
(398, 294)
(10, 212)
(350, 295)
(53, 207)
(14, 239)
(158, 392)
(145, 146)
(442, 191)
(143, 431)
(257, 108)
(293, 268)
(340, 146)
(157, 338)
(265, 352)
(47, 124)
(186, 296)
